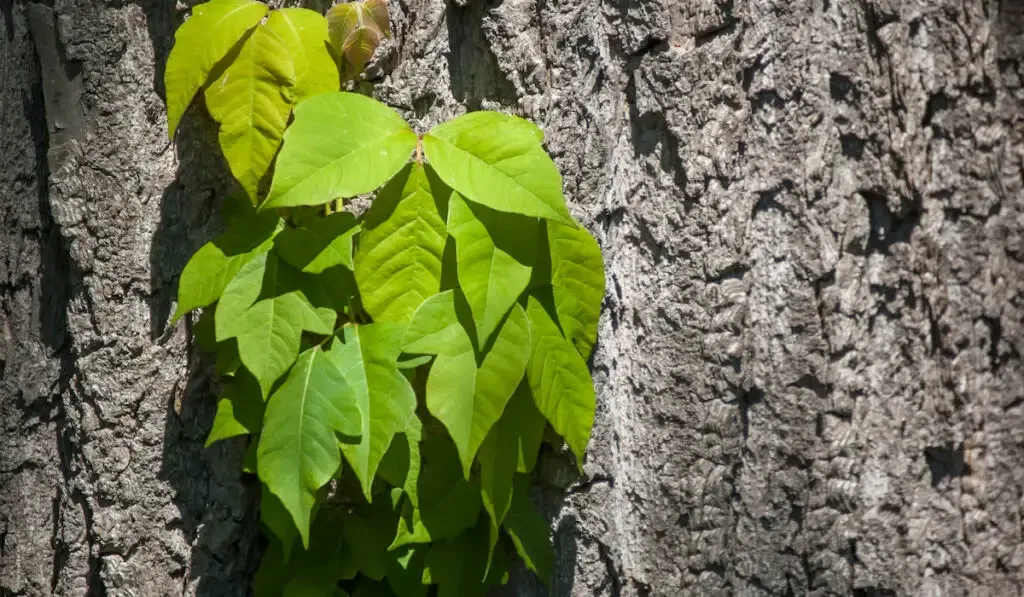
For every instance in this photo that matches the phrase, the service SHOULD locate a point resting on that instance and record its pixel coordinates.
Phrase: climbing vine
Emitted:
(396, 372)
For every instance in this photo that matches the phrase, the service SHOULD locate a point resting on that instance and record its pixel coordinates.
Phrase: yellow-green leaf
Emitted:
(304, 33)
(398, 263)
(199, 44)
(340, 145)
(249, 102)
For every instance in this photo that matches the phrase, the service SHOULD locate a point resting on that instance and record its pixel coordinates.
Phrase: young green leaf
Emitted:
(265, 307)
(498, 161)
(199, 44)
(298, 451)
(495, 253)
(529, 531)
(560, 381)
(398, 263)
(466, 398)
(448, 503)
(577, 281)
(367, 356)
(304, 34)
(239, 411)
(340, 145)
(322, 244)
(213, 266)
(248, 101)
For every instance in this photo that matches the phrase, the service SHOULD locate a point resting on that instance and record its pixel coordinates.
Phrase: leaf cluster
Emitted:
(395, 373)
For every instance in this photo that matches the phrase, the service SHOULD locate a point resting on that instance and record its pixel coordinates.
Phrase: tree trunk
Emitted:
(809, 364)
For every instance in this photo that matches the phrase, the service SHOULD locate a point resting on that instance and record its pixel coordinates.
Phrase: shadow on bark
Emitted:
(217, 505)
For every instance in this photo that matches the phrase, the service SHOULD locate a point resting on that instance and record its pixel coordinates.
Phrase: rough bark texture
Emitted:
(809, 365)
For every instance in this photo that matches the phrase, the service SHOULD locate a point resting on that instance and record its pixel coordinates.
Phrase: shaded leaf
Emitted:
(321, 244)
(498, 161)
(366, 530)
(529, 532)
(512, 443)
(367, 356)
(340, 145)
(398, 263)
(212, 267)
(298, 451)
(560, 381)
(276, 518)
(239, 411)
(448, 504)
(459, 567)
(199, 44)
(401, 463)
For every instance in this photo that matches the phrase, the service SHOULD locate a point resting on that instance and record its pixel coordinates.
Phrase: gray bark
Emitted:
(809, 364)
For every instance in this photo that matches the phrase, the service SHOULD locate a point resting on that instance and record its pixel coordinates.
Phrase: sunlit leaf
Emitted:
(494, 253)
(249, 102)
(340, 145)
(577, 280)
(367, 356)
(304, 34)
(560, 381)
(498, 161)
(239, 411)
(266, 308)
(199, 44)
(298, 450)
(398, 263)
(466, 398)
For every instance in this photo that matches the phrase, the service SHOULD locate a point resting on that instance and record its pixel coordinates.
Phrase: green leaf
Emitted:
(273, 573)
(459, 567)
(304, 34)
(315, 572)
(248, 101)
(577, 280)
(240, 411)
(298, 451)
(199, 43)
(467, 399)
(529, 532)
(265, 307)
(401, 464)
(212, 267)
(495, 253)
(512, 444)
(322, 244)
(340, 145)
(448, 504)
(560, 381)
(367, 356)
(277, 520)
(405, 571)
(498, 161)
(398, 263)
(366, 530)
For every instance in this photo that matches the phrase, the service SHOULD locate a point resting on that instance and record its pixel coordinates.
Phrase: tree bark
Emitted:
(809, 363)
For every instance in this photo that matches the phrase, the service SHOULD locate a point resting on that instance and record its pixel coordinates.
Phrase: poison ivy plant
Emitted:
(397, 372)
